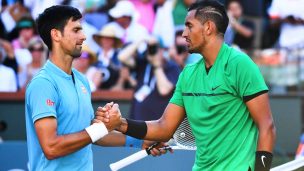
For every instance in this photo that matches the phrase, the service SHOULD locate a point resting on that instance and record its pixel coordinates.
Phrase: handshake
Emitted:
(107, 119)
(109, 115)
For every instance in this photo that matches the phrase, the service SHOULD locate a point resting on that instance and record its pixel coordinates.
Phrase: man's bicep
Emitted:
(46, 130)
(259, 109)
(41, 99)
(168, 123)
(174, 115)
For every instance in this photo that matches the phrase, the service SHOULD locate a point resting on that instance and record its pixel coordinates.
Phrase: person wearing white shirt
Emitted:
(289, 15)
(126, 25)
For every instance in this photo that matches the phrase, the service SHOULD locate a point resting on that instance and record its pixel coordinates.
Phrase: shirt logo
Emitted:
(49, 102)
(83, 89)
(213, 88)
(262, 158)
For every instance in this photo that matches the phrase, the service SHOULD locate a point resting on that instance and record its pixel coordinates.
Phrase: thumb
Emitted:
(115, 107)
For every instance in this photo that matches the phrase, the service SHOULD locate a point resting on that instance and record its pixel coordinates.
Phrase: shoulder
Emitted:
(190, 69)
(193, 66)
(239, 62)
(41, 82)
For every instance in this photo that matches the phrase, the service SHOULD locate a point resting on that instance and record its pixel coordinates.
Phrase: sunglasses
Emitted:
(32, 49)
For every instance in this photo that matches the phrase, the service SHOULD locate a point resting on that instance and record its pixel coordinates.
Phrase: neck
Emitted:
(61, 60)
(211, 50)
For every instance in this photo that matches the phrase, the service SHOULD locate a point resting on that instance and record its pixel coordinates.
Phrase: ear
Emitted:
(209, 27)
(56, 35)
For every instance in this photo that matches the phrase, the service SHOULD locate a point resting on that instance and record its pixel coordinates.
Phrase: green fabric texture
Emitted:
(226, 136)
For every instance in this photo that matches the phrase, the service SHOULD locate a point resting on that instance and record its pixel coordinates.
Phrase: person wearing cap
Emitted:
(84, 64)
(156, 76)
(58, 109)
(125, 22)
(108, 62)
(26, 29)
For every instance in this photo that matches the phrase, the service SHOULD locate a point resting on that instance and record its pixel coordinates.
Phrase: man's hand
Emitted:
(110, 115)
(157, 151)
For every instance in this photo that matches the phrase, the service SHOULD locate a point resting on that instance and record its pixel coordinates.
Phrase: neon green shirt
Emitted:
(225, 134)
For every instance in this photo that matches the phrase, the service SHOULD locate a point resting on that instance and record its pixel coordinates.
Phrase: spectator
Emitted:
(164, 15)
(84, 65)
(8, 81)
(38, 53)
(239, 31)
(180, 11)
(27, 30)
(146, 13)
(11, 13)
(37, 6)
(125, 24)
(109, 43)
(289, 16)
(156, 76)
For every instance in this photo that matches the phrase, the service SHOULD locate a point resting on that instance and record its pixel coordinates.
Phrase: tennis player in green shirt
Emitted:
(224, 97)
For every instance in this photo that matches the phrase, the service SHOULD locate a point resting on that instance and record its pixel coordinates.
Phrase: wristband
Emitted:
(133, 142)
(136, 129)
(263, 161)
(97, 131)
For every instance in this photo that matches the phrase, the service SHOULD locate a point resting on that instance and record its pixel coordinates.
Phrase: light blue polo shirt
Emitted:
(52, 93)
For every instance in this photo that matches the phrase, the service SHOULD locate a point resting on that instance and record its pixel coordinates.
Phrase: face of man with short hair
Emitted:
(194, 33)
(72, 38)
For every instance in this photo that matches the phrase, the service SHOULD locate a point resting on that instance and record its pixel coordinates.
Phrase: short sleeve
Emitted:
(41, 99)
(177, 97)
(249, 79)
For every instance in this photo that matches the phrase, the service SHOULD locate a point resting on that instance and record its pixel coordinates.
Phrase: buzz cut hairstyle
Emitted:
(211, 10)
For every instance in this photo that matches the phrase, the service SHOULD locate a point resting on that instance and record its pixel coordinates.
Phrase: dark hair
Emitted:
(55, 17)
(211, 10)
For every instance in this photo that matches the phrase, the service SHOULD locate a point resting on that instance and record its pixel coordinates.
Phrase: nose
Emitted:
(83, 36)
(185, 33)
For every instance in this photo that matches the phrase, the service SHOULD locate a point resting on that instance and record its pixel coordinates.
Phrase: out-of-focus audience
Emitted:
(289, 16)
(108, 63)
(8, 81)
(112, 25)
(84, 64)
(38, 53)
(240, 31)
(156, 76)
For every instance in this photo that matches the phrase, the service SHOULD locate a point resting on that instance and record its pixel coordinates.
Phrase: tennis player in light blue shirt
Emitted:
(58, 102)
(53, 93)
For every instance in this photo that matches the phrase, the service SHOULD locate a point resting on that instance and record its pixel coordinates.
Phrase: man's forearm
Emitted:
(66, 144)
(266, 138)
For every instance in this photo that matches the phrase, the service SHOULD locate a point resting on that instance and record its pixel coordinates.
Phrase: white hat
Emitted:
(122, 8)
(108, 31)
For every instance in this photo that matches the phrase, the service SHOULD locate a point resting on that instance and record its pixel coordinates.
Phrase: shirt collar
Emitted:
(50, 66)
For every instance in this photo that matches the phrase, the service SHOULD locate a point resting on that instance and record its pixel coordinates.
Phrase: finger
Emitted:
(102, 114)
(96, 121)
(103, 119)
(115, 108)
(108, 106)
(155, 152)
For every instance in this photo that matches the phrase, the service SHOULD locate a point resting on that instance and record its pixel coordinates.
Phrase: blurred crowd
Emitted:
(138, 44)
